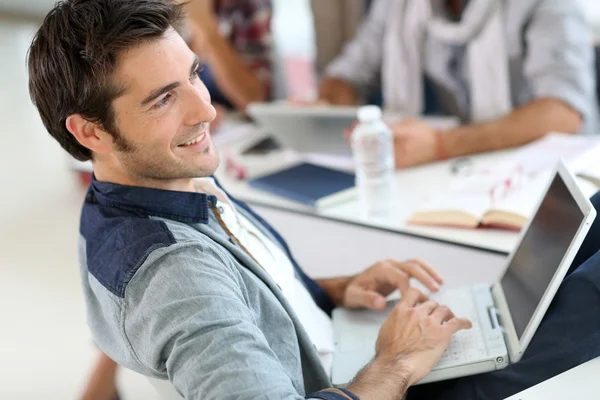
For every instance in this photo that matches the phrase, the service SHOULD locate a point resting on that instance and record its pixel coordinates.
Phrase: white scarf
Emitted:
(481, 29)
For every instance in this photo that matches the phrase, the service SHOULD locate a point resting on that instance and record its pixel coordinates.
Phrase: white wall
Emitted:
(32, 7)
(294, 10)
(292, 27)
(592, 8)
(592, 12)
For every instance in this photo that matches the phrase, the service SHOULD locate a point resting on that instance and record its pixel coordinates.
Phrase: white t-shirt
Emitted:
(276, 263)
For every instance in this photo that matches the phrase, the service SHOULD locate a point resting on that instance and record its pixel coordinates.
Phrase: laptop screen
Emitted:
(540, 253)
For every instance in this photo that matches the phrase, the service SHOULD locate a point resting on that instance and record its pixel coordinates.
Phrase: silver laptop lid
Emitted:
(542, 258)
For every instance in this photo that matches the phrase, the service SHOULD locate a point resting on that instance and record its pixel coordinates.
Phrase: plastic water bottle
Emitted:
(373, 153)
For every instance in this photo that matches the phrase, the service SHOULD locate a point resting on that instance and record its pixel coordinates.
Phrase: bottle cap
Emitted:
(369, 113)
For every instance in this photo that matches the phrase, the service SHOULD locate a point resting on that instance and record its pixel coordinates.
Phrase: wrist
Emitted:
(336, 288)
(383, 378)
(440, 145)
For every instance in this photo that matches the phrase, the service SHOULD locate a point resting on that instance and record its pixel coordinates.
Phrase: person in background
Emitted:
(335, 24)
(233, 37)
(511, 71)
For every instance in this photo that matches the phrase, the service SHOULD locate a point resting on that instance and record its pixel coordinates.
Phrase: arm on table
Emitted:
(520, 127)
(559, 69)
(416, 142)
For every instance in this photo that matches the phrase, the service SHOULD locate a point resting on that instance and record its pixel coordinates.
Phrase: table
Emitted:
(415, 184)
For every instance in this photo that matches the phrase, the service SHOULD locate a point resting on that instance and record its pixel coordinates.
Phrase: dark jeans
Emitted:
(568, 336)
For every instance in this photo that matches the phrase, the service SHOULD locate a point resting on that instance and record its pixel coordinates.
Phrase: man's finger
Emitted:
(358, 297)
(456, 324)
(415, 270)
(442, 314)
(430, 270)
(390, 275)
(413, 297)
(429, 306)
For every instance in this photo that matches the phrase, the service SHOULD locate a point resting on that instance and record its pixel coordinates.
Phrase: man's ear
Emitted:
(89, 134)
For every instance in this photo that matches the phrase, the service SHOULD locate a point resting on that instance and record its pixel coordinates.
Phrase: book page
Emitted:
(543, 154)
(508, 191)
(503, 198)
(524, 196)
(470, 195)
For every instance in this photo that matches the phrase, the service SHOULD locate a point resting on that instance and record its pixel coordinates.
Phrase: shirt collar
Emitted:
(179, 206)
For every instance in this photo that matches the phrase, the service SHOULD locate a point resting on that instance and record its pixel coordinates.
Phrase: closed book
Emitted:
(309, 184)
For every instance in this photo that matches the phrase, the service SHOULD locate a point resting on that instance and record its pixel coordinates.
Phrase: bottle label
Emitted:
(372, 154)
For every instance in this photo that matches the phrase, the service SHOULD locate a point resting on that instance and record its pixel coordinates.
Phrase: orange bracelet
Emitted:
(439, 145)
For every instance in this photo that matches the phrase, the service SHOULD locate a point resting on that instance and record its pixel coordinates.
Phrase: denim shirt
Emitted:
(170, 295)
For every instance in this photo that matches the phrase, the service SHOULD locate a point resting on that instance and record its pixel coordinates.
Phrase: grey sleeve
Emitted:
(361, 60)
(560, 61)
(187, 315)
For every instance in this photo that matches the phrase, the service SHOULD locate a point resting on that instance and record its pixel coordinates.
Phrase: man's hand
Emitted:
(414, 143)
(410, 343)
(337, 92)
(369, 288)
(417, 331)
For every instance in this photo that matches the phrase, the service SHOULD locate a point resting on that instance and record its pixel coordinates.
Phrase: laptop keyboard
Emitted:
(465, 345)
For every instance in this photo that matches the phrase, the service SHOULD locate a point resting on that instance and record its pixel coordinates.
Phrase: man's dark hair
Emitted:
(73, 56)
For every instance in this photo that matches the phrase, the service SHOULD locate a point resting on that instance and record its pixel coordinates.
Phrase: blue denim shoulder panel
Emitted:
(118, 242)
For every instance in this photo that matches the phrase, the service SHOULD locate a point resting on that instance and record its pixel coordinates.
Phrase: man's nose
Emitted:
(199, 108)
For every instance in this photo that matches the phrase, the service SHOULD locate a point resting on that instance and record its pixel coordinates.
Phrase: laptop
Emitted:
(505, 315)
(319, 128)
(307, 129)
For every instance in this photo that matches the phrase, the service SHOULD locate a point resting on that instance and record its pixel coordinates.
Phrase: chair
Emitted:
(165, 389)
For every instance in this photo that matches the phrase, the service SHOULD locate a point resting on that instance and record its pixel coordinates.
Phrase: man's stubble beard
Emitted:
(147, 167)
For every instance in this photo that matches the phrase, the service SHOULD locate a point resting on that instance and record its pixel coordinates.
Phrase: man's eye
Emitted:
(197, 73)
(163, 102)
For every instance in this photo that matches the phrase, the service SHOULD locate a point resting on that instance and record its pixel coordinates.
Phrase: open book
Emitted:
(504, 195)
(498, 201)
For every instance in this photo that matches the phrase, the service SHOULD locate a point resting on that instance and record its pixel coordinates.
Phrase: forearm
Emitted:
(102, 383)
(521, 126)
(360, 61)
(335, 288)
(235, 79)
(382, 380)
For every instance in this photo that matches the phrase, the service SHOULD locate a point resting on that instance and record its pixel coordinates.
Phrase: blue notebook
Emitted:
(308, 184)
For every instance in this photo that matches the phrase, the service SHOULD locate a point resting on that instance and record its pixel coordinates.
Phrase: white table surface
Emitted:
(416, 185)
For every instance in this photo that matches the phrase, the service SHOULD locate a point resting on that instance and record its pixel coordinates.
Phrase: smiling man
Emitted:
(182, 282)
